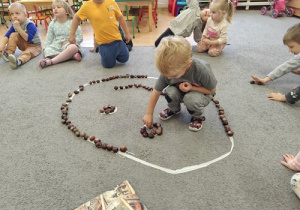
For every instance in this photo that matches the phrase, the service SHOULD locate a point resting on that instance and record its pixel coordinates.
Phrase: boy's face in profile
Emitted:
(294, 47)
(17, 13)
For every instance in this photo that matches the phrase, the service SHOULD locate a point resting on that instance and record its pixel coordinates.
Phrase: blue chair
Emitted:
(180, 5)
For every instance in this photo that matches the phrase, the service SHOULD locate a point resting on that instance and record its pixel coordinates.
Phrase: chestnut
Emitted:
(116, 87)
(92, 138)
(109, 147)
(76, 91)
(98, 145)
(159, 131)
(70, 95)
(123, 148)
(151, 135)
(104, 146)
(115, 149)
(230, 133)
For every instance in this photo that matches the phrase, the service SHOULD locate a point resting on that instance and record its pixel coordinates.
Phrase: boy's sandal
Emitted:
(43, 63)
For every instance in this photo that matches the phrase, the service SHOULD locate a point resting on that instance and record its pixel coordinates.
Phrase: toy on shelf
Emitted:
(278, 7)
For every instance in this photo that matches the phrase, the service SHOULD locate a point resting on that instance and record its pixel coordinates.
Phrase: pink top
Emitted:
(295, 164)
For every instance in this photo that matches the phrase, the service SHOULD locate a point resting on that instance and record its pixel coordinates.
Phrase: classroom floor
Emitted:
(144, 38)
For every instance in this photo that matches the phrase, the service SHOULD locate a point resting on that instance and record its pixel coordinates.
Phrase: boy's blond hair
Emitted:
(173, 54)
(225, 5)
(292, 34)
(18, 5)
(66, 6)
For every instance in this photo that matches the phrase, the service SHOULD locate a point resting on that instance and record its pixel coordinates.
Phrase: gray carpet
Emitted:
(45, 166)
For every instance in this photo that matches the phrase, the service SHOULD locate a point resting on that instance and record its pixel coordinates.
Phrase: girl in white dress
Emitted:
(57, 47)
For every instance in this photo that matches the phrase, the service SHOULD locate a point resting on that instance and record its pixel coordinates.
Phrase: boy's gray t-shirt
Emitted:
(199, 74)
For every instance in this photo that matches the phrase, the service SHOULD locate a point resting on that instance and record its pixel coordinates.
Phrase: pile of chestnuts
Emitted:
(109, 109)
(155, 129)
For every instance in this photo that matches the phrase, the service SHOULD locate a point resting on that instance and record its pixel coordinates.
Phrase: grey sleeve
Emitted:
(285, 68)
(293, 96)
(198, 32)
(160, 83)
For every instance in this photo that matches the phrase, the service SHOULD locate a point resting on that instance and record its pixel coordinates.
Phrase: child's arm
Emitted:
(78, 35)
(187, 87)
(22, 33)
(148, 118)
(290, 97)
(291, 162)
(198, 33)
(75, 23)
(260, 81)
(124, 27)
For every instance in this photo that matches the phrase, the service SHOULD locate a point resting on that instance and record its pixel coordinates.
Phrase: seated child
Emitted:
(57, 47)
(214, 37)
(104, 16)
(22, 34)
(293, 163)
(189, 21)
(292, 40)
(187, 80)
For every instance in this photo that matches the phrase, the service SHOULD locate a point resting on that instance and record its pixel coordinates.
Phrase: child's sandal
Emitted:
(43, 63)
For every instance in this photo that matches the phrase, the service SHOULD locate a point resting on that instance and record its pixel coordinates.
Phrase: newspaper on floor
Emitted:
(123, 197)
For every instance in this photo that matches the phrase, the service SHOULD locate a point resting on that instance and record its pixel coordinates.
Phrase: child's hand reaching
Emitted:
(148, 120)
(276, 97)
(260, 81)
(288, 158)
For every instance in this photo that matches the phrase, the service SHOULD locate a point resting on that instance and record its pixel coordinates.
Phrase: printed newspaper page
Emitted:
(123, 197)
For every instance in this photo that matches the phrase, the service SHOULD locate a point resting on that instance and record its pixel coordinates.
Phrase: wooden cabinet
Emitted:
(295, 4)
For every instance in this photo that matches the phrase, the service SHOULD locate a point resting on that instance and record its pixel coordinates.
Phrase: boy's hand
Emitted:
(288, 158)
(148, 120)
(185, 87)
(127, 37)
(260, 81)
(72, 39)
(17, 24)
(276, 97)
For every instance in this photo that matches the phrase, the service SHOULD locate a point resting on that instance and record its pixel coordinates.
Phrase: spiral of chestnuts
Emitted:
(223, 118)
(155, 129)
(106, 109)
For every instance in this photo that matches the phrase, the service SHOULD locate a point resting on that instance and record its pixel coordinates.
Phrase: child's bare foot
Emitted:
(45, 62)
(77, 57)
(297, 71)
(93, 49)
